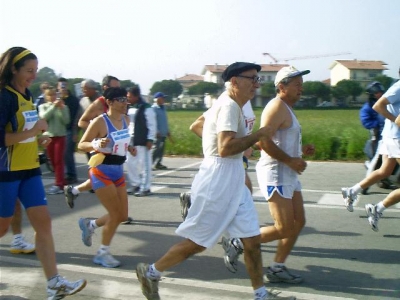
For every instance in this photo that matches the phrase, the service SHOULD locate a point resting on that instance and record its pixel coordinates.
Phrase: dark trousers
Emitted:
(158, 151)
(69, 157)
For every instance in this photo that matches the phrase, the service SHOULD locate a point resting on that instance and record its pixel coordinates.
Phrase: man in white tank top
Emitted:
(277, 171)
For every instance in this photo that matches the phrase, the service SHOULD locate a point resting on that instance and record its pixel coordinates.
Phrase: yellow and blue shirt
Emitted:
(17, 113)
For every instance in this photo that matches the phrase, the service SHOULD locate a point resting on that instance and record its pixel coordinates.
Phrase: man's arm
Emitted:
(380, 107)
(95, 109)
(197, 126)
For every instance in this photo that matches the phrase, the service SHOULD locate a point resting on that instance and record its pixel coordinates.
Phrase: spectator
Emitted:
(57, 115)
(40, 99)
(162, 130)
(142, 128)
(72, 129)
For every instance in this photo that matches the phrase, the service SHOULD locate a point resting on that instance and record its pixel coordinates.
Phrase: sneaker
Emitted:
(87, 232)
(233, 248)
(132, 190)
(127, 221)
(160, 167)
(185, 204)
(54, 190)
(19, 246)
(69, 196)
(272, 295)
(64, 288)
(364, 191)
(106, 260)
(281, 274)
(149, 286)
(373, 216)
(143, 193)
(349, 198)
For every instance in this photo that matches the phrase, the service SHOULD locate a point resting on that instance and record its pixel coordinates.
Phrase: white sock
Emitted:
(51, 282)
(153, 272)
(275, 265)
(356, 189)
(260, 293)
(93, 225)
(380, 207)
(17, 236)
(75, 191)
(103, 249)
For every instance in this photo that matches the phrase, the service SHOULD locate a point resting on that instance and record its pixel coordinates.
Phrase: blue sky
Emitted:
(148, 41)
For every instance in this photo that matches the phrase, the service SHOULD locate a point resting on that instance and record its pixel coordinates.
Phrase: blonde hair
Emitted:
(49, 92)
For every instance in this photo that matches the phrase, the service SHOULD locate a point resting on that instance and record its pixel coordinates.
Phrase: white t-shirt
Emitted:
(224, 115)
(390, 129)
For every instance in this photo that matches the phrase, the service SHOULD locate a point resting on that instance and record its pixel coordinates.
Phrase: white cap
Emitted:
(288, 72)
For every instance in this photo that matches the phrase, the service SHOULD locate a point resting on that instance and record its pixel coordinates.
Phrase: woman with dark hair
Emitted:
(108, 136)
(20, 175)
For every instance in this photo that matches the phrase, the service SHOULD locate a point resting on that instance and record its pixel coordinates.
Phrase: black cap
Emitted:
(114, 92)
(238, 68)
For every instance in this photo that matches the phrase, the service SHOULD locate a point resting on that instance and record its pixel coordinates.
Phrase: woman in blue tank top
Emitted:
(108, 136)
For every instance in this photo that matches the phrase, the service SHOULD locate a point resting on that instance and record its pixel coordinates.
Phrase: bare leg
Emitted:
(40, 219)
(253, 260)
(84, 186)
(115, 201)
(386, 169)
(17, 219)
(177, 254)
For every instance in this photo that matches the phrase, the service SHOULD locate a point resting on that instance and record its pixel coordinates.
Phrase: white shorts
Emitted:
(390, 147)
(220, 203)
(285, 191)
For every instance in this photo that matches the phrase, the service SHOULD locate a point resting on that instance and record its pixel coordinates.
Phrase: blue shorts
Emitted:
(104, 175)
(29, 191)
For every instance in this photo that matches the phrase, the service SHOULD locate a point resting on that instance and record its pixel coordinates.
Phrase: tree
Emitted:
(170, 87)
(386, 81)
(126, 83)
(316, 89)
(346, 88)
(204, 87)
(268, 90)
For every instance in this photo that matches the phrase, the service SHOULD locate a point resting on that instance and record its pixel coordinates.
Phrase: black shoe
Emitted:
(387, 184)
(364, 191)
(143, 193)
(128, 221)
(132, 190)
(91, 191)
(160, 167)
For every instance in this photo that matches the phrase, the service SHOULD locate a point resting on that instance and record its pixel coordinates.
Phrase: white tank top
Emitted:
(289, 141)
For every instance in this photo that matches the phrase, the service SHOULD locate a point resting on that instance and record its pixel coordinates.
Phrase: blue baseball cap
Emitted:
(159, 95)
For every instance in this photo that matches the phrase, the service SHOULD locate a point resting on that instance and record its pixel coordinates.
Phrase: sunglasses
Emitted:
(121, 99)
(254, 79)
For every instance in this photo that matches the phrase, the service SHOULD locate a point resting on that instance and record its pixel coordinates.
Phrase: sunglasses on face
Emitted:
(254, 79)
(121, 99)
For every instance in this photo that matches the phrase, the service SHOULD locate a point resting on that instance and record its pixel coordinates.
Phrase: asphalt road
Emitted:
(338, 254)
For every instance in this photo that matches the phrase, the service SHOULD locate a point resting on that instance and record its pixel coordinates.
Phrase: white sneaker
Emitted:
(106, 260)
(349, 199)
(373, 216)
(54, 190)
(64, 288)
(19, 245)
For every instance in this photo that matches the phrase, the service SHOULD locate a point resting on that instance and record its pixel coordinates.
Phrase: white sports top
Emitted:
(289, 141)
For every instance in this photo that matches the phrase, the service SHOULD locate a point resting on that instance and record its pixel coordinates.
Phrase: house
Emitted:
(363, 71)
(189, 80)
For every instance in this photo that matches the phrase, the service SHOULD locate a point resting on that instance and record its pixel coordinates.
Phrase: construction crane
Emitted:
(304, 57)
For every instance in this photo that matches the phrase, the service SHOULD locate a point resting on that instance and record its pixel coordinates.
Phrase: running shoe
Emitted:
(233, 248)
(69, 196)
(149, 286)
(54, 190)
(185, 204)
(106, 260)
(373, 216)
(64, 288)
(143, 193)
(160, 167)
(281, 274)
(87, 232)
(349, 199)
(132, 190)
(19, 246)
(127, 221)
(272, 295)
